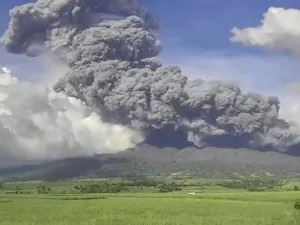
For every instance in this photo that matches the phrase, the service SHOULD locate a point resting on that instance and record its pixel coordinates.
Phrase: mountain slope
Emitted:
(148, 160)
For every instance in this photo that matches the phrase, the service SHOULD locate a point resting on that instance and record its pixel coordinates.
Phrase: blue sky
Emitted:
(196, 37)
(204, 25)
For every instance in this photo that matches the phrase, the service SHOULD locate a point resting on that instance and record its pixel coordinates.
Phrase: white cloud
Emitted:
(37, 123)
(290, 109)
(279, 29)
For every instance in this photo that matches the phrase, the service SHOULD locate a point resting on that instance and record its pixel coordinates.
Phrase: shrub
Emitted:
(297, 205)
(42, 189)
(165, 188)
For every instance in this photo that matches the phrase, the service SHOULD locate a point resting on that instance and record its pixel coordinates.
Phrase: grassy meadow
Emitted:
(20, 204)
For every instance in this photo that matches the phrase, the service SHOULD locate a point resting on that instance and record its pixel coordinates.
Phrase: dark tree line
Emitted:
(252, 184)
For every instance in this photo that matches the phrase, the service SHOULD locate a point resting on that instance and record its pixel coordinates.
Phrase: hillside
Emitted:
(148, 160)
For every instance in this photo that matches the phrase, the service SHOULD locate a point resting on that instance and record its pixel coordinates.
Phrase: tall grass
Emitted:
(146, 209)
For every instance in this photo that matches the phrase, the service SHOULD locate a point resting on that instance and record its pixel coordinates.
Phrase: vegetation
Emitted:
(149, 209)
(42, 189)
(139, 199)
(101, 188)
(154, 162)
(169, 187)
(297, 205)
(254, 184)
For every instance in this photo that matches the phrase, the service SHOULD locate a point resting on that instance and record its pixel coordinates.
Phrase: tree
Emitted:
(296, 188)
(42, 189)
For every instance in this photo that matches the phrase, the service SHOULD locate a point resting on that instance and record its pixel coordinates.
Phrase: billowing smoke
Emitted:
(110, 49)
(37, 123)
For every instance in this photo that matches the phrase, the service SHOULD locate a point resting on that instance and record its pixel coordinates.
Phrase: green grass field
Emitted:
(243, 208)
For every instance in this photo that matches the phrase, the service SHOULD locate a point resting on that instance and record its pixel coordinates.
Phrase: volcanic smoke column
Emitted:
(111, 52)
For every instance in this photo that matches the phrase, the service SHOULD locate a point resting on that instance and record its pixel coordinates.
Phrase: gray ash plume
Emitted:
(111, 50)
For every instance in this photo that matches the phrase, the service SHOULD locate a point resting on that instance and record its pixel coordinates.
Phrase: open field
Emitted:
(151, 209)
(166, 202)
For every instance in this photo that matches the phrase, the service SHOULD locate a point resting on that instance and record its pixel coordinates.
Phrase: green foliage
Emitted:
(23, 192)
(42, 189)
(247, 208)
(252, 184)
(165, 188)
(140, 181)
(101, 188)
(122, 168)
(5, 200)
(297, 205)
(296, 188)
(126, 185)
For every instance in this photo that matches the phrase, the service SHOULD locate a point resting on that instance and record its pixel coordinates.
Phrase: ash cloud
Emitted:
(111, 51)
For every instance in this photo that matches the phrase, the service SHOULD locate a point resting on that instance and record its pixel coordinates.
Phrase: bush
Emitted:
(25, 192)
(297, 205)
(256, 189)
(165, 188)
(42, 189)
(296, 188)
(5, 200)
